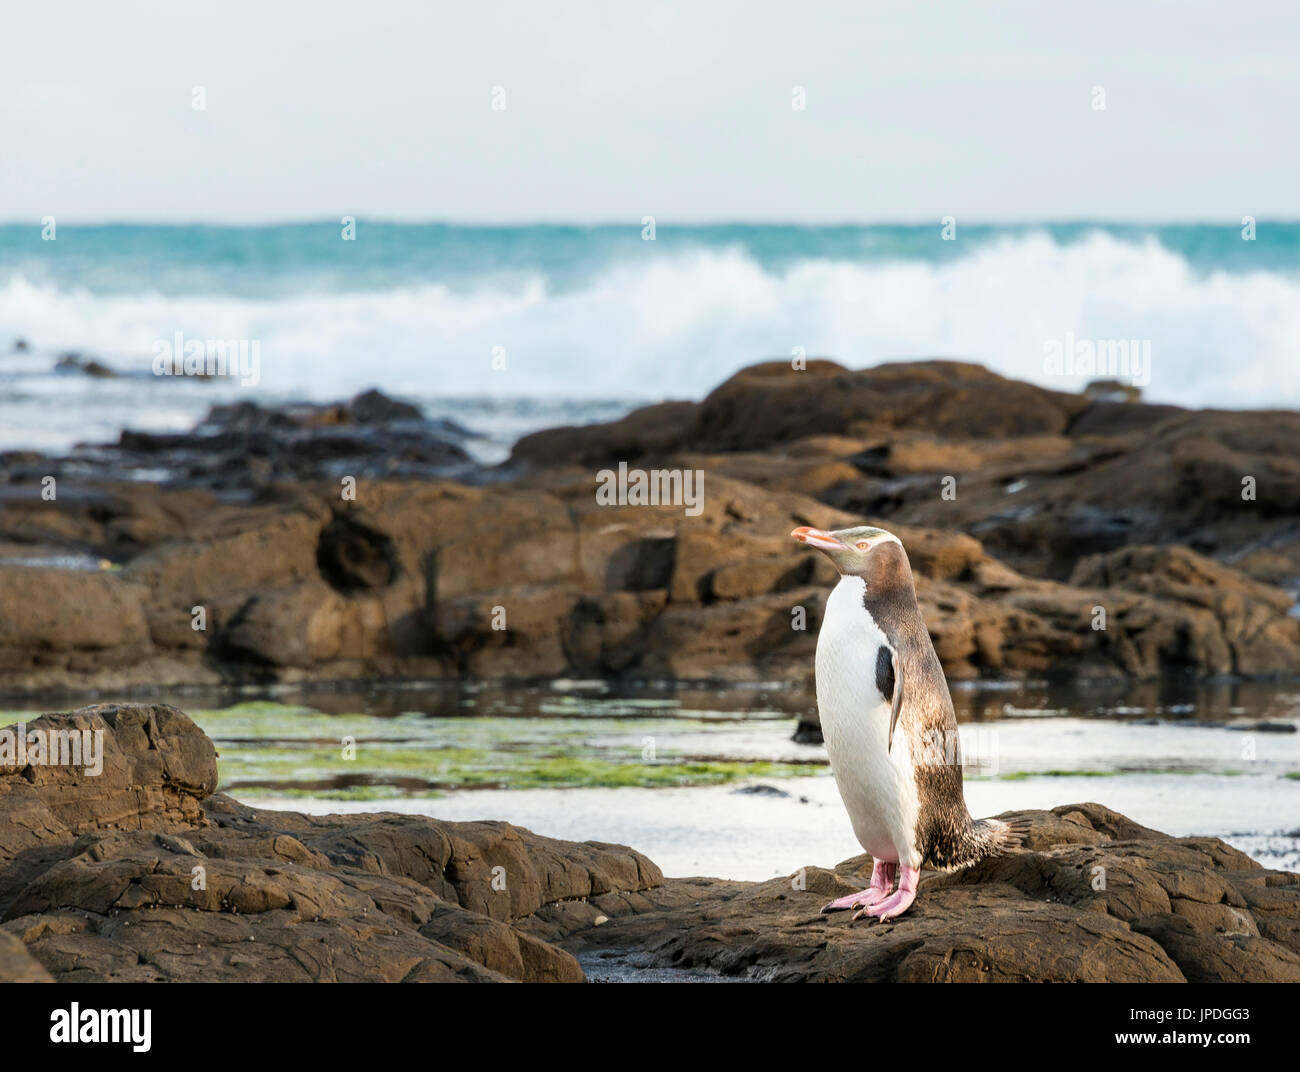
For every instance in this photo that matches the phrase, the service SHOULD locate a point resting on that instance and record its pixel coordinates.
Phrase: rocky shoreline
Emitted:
(361, 541)
(144, 873)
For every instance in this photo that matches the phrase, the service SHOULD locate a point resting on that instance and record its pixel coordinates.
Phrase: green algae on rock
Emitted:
(271, 749)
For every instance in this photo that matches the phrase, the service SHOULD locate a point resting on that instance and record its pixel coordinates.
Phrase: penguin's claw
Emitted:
(861, 899)
(895, 905)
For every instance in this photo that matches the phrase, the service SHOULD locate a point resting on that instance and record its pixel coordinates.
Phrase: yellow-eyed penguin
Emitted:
(889, 726)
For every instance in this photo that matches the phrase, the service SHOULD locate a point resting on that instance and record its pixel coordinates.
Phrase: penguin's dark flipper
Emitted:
(898, 698)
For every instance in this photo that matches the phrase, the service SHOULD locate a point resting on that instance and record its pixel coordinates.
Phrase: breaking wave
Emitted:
(675, 322)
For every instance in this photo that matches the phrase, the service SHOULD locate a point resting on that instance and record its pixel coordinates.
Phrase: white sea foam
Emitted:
(676, 324)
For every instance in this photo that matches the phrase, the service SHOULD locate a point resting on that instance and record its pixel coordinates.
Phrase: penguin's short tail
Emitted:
(977, 840)
(990, 837)
(999, 836)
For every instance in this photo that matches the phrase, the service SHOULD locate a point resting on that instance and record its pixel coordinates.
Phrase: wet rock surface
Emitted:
(254, 559)
(143, 873)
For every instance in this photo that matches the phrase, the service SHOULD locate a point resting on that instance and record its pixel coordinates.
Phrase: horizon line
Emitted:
(660, 222)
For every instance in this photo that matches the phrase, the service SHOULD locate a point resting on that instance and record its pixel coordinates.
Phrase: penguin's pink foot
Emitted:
(882, 881)
(900, 901)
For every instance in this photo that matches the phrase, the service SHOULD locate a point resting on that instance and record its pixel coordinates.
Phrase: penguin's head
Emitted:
(849, 549)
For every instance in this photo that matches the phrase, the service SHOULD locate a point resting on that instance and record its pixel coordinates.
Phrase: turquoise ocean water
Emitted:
(512, 328)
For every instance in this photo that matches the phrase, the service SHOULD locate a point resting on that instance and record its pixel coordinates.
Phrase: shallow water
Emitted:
(711, 781)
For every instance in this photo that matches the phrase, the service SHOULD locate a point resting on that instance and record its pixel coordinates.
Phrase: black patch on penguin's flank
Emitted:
(885, 672)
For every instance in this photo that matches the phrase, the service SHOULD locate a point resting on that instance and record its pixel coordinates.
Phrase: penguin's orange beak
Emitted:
(818, 538)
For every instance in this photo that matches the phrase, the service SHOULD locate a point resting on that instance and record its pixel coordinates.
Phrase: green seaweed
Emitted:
(282, 750)
(1018, 776)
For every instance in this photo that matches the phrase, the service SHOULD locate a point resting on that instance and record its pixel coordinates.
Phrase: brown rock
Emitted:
(17, 965)
(240, 554)
(1062, 505)
(772, 402)
(304, 626)
(156, 767)
(653, 430)
(1251, 621)
(140, 873)
(1093, 897)
(72, 618)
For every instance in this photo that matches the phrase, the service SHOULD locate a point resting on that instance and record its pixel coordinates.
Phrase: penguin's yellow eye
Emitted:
(863, 545)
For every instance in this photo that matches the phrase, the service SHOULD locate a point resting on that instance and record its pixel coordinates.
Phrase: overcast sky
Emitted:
(915, 110)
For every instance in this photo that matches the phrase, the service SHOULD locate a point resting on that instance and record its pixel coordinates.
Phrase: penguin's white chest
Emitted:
(877, 785)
